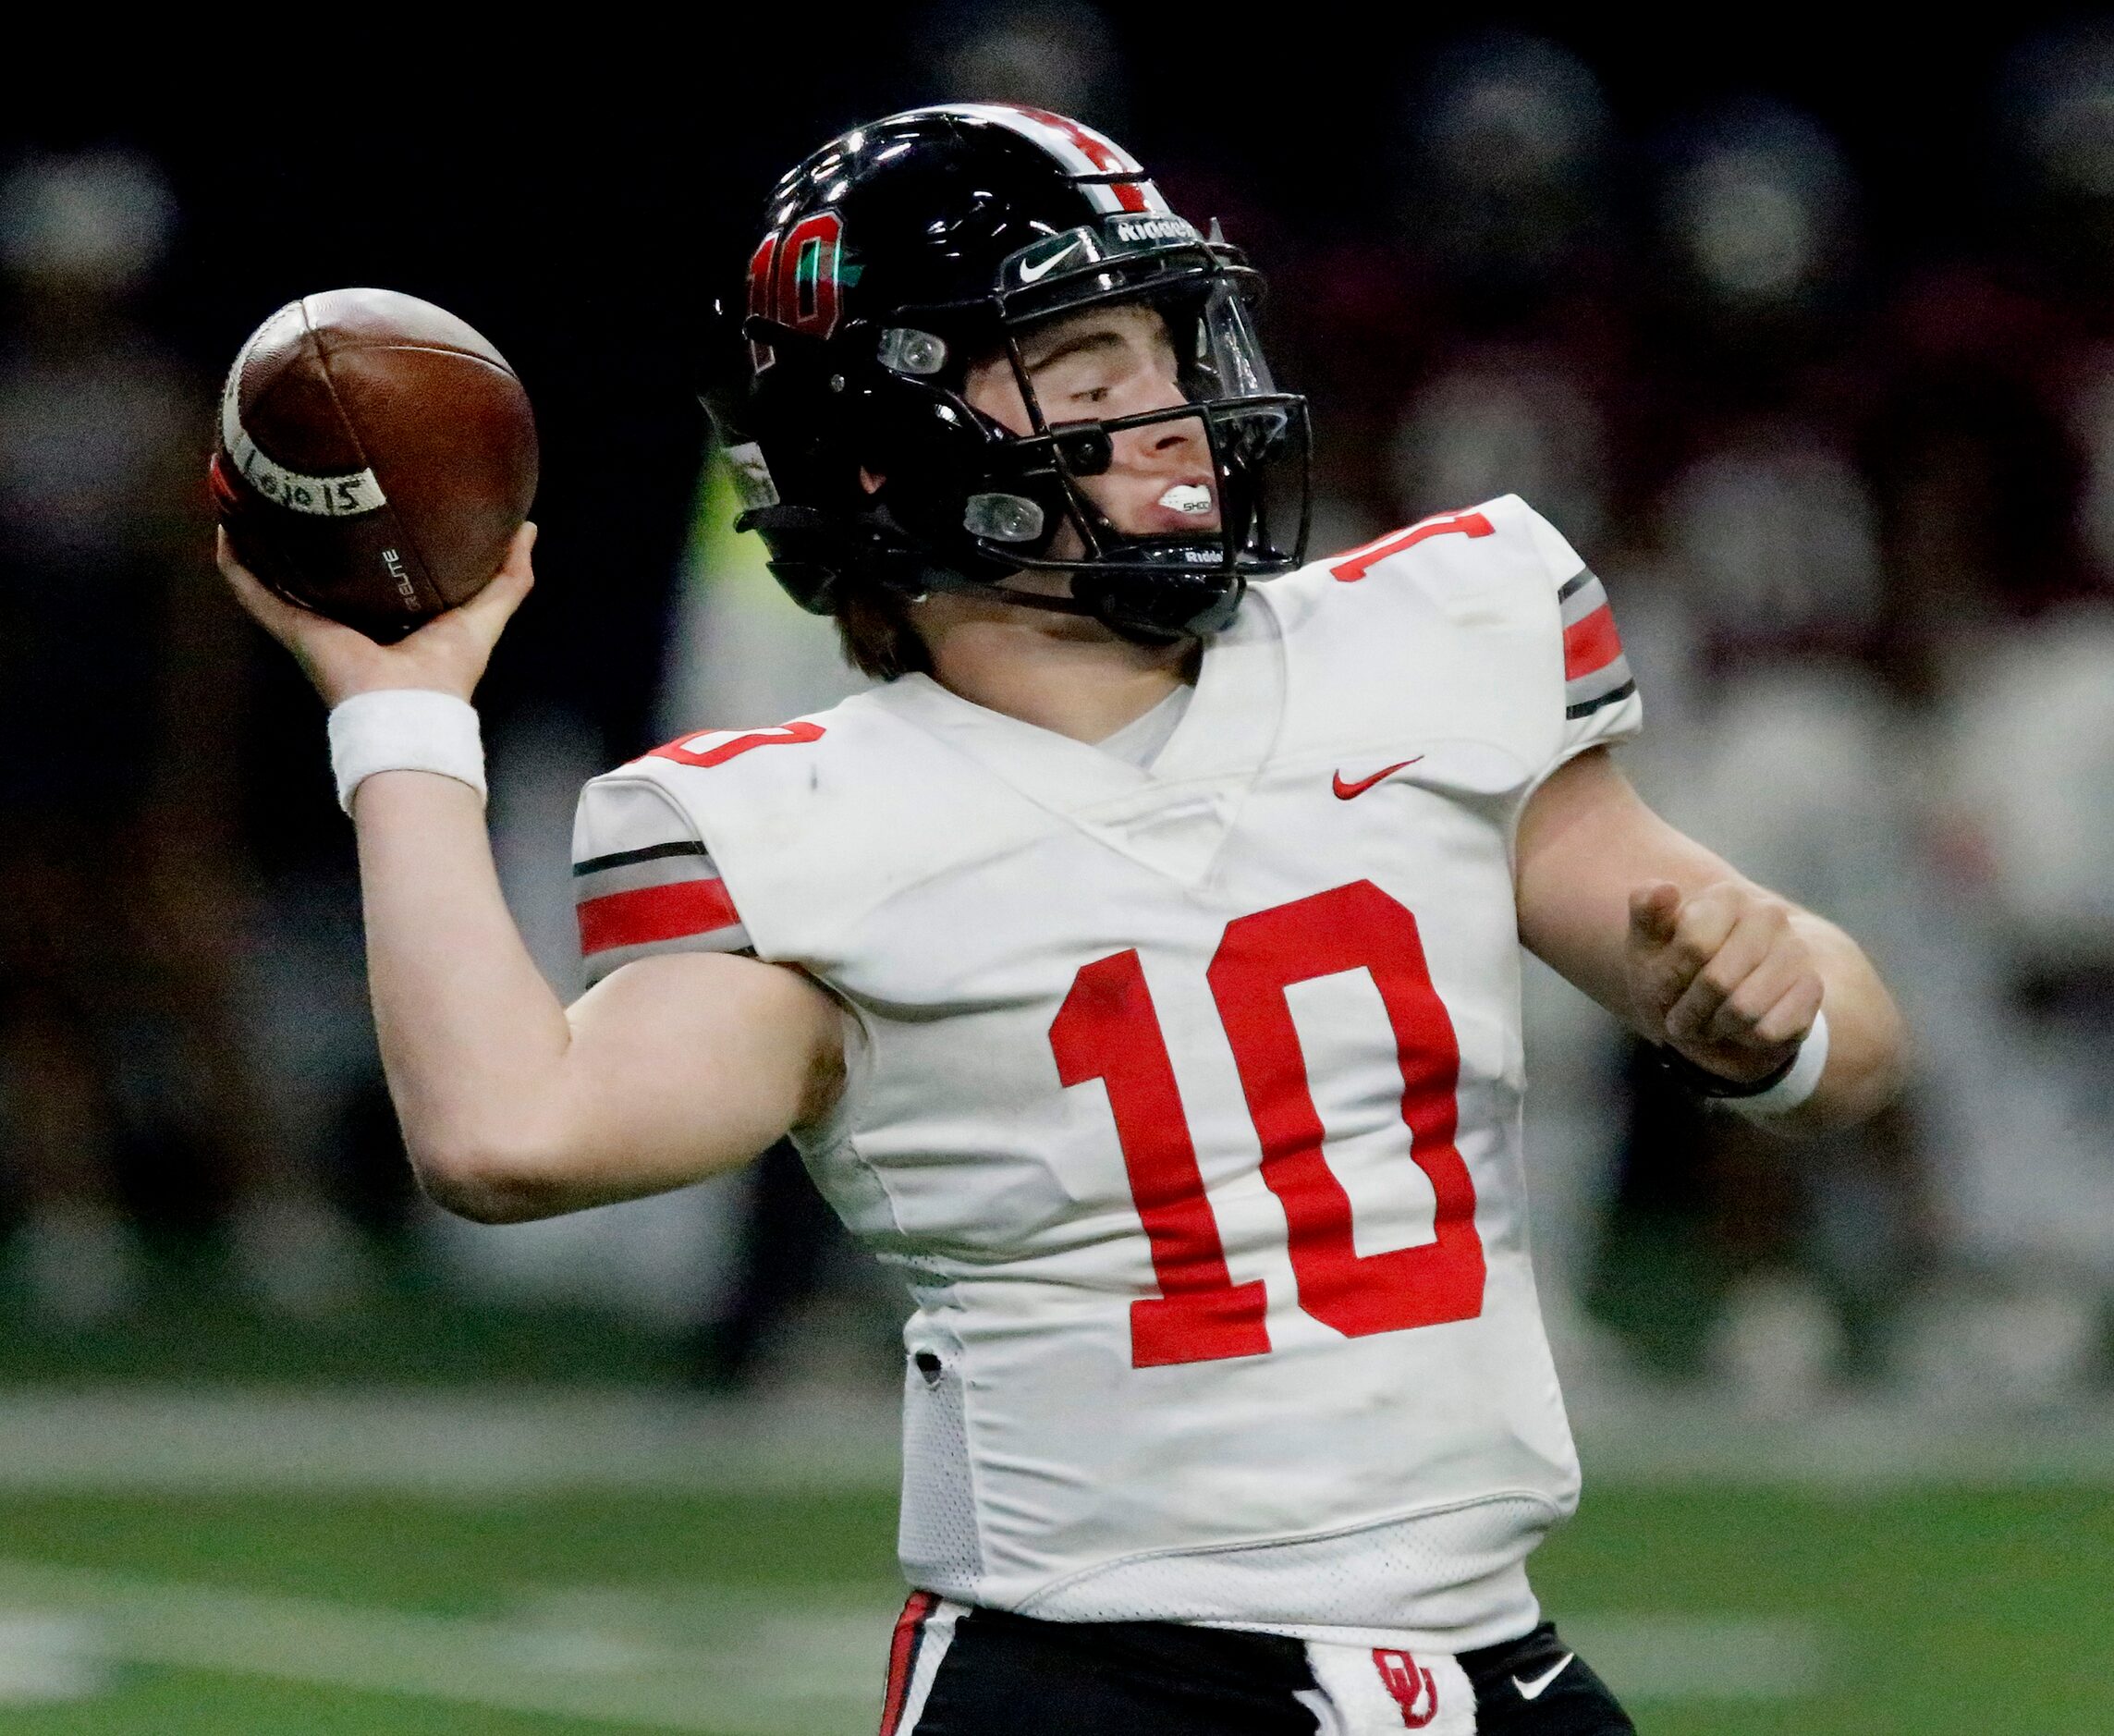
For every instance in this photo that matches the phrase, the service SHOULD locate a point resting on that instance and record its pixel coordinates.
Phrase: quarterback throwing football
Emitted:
(1136, 966)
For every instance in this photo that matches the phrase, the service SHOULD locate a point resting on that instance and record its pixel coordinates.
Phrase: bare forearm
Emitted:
(1867, 1042)
(1677, 943)
(472, 1037)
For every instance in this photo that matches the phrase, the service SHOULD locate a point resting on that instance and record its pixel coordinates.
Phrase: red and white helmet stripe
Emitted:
(1109, 175)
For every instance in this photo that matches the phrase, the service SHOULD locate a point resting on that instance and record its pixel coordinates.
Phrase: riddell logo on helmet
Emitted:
(1152, 229)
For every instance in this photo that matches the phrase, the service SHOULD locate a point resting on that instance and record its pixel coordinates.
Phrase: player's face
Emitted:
(1095, 366)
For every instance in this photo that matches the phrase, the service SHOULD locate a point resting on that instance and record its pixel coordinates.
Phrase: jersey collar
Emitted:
(1173, 816)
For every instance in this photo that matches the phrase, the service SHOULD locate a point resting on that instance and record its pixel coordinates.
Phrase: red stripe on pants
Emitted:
(902, 1654)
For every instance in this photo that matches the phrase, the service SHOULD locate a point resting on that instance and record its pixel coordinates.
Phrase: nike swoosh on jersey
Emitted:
(1036, 273)
(1533, 1690)
(1344, 791)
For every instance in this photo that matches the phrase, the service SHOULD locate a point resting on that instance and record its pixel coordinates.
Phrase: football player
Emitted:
(1137, 965)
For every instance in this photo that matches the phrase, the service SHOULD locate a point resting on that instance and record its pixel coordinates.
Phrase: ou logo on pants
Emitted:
(1410, 1686)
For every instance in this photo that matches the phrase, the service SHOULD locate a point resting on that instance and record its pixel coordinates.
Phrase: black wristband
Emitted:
(1700, 1081)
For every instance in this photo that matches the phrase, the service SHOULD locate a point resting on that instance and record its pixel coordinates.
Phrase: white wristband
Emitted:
(1795, 1086)
(404, 729)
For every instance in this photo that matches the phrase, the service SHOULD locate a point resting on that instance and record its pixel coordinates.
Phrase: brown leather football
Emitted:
(375, 457)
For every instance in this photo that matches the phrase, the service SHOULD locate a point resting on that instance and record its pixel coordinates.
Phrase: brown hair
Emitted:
(874, 625)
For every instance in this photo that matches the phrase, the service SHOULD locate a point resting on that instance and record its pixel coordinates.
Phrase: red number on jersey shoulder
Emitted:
(690, 750)
(1355, 565)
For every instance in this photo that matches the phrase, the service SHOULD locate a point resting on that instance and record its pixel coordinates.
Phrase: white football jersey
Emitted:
(1186, 1097)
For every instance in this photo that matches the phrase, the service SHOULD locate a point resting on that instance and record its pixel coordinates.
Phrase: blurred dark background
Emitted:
(1800, 326)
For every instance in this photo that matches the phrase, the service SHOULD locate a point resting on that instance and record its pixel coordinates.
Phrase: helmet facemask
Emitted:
(1008, 510)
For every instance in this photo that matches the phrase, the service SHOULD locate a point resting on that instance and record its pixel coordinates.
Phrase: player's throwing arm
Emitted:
(514, 1107)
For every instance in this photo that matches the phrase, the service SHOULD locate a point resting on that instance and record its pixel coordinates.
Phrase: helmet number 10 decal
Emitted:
(793, 280)
(1109, 1030)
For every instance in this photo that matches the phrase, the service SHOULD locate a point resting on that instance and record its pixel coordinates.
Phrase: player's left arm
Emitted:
(1678, 943)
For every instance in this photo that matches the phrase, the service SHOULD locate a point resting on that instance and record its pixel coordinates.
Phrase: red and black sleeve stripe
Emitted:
(1595, 671)
(662, 897)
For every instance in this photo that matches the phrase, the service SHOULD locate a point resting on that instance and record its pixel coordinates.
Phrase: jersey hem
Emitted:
(1498, 1630)
(1071, 1582)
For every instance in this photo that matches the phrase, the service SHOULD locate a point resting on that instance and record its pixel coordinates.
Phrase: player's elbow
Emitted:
(487, 1182)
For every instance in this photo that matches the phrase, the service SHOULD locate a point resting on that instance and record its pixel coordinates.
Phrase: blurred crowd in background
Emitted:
(1815, 363)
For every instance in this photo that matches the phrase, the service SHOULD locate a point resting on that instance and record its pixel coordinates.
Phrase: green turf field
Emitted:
(1717, 1610)
(209, 1524)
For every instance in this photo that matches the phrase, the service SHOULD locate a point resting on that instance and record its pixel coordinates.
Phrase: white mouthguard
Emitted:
(1186, 498)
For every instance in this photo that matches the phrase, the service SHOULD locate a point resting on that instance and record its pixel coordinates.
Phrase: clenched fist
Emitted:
(1723, 976)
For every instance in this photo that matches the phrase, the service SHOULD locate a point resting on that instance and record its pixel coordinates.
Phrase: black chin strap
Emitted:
(941, 579)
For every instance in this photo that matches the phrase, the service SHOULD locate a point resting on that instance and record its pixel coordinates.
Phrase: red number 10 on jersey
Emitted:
(1108, 1030)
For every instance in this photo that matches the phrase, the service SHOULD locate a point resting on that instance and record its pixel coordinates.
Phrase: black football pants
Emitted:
(1006, 1675)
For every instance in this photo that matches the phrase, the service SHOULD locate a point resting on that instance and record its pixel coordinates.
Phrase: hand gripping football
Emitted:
(375, 457)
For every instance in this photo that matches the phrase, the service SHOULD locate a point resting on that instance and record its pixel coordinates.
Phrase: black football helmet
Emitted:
(904, 250)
